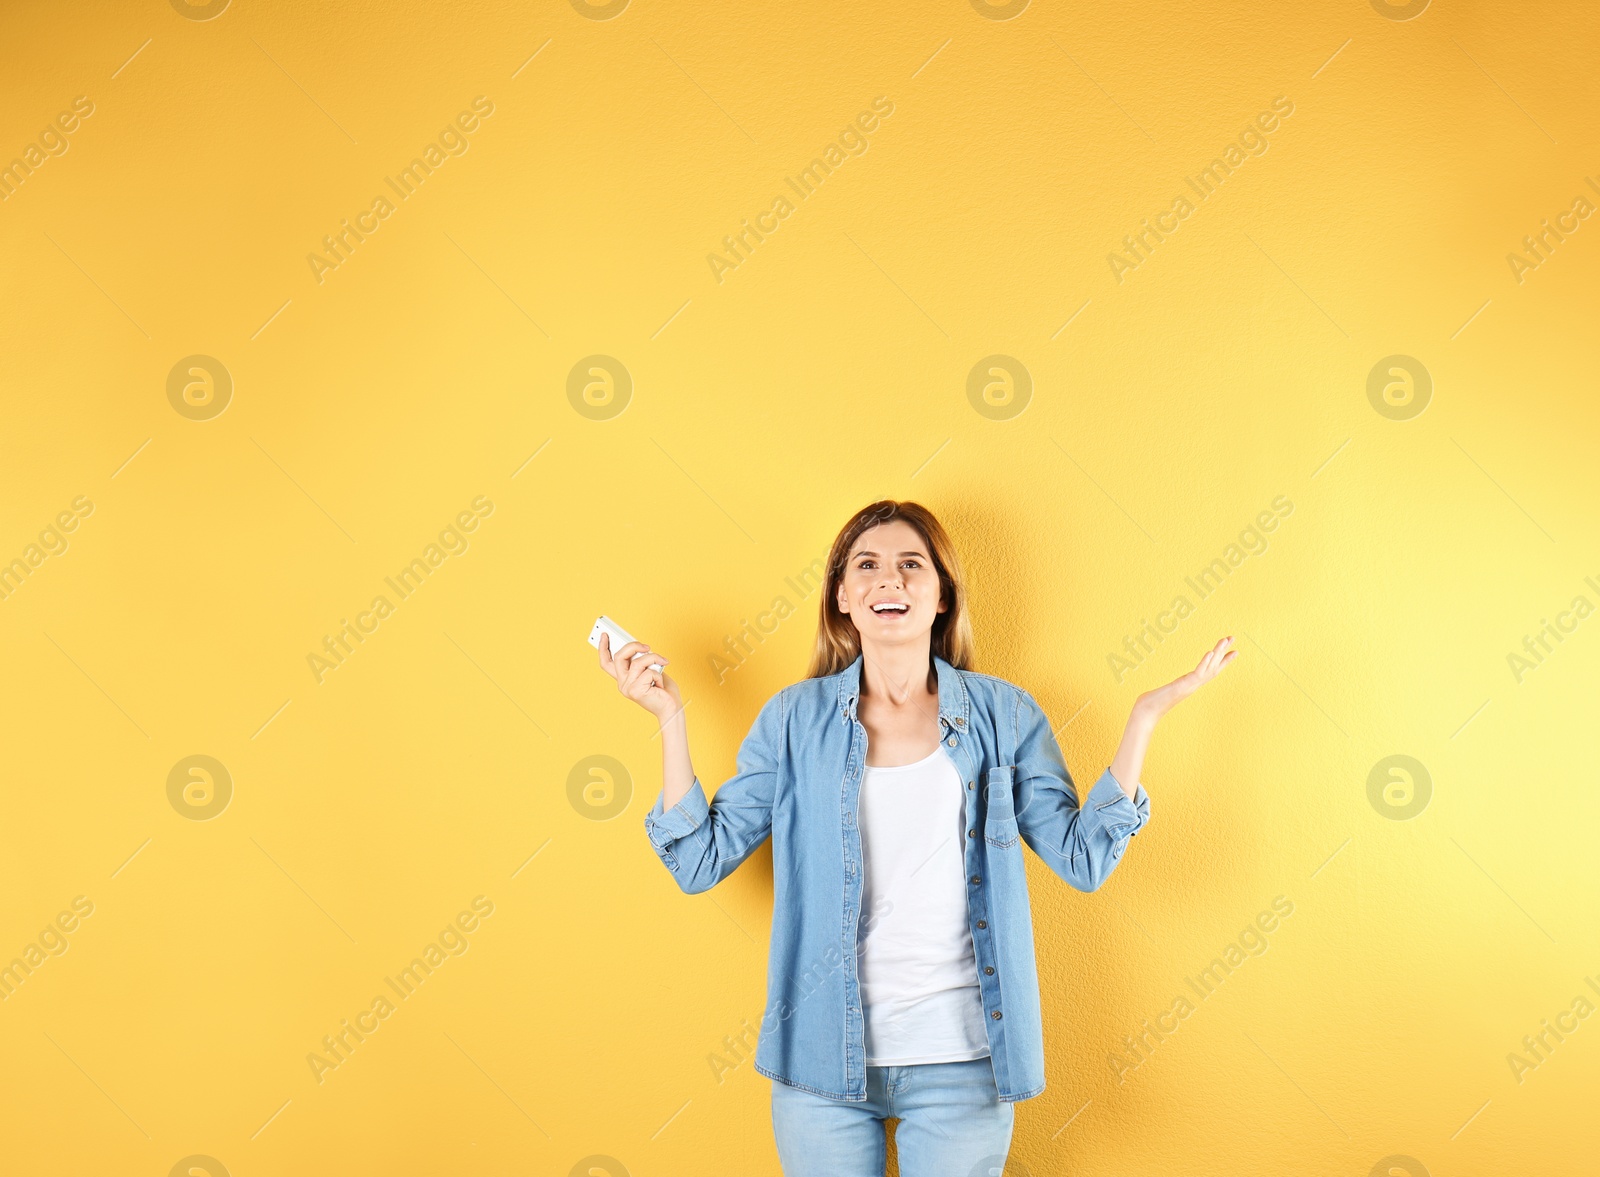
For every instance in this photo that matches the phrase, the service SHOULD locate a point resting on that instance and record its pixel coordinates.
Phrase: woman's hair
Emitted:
(838, 643)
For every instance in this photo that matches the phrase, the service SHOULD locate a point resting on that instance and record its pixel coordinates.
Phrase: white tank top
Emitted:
(919, 975)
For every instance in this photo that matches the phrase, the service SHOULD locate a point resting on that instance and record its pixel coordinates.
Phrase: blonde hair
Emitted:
(838, 643)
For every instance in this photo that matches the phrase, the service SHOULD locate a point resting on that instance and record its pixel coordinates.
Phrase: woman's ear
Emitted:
(842, 601)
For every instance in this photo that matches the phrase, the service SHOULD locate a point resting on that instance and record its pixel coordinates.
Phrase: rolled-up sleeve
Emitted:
(1082, 843)
(702, 842)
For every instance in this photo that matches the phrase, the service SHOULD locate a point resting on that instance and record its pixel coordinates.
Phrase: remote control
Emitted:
(619, 637)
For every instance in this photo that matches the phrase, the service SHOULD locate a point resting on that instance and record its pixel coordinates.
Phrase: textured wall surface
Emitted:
(298, 296)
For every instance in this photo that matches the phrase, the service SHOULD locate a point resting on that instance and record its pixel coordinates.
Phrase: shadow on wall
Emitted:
(1011, 592)
(992, 545)
(1084, 988)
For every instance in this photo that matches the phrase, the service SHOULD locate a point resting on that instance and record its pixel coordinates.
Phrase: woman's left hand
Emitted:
(1154, 704)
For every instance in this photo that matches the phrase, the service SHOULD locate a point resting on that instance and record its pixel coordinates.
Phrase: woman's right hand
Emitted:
(651, 689)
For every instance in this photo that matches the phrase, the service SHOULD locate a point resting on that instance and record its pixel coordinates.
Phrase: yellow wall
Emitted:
(366, 406)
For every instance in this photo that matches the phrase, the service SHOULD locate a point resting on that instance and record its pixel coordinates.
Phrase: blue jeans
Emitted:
(952, 1124)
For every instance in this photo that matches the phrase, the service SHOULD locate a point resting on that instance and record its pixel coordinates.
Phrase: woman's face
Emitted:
(890, 587)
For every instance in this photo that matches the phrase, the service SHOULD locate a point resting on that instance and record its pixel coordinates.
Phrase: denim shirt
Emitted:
(798, 779)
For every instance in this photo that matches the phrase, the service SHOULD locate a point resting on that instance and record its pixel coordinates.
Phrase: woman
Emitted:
(901, 979)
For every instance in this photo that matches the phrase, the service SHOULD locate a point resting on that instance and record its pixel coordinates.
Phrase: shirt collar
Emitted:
(954, 705)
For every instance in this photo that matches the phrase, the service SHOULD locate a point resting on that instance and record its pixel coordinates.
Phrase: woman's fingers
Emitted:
(625, 654)
(631, 660)
(635, 678)
(1216, 658)
(1212, 661)
(638, 677)
(632, 665)
(607, 660)
(621, 658)
(641, 668)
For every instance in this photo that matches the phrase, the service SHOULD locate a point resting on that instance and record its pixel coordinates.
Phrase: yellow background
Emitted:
(828, 370)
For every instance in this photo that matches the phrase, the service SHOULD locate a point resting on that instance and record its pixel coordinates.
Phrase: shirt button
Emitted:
(969, 784)
(951, 741)
(983, 923)
(988, 970)
(972, 833)
(976, 879)
(995, 1015)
